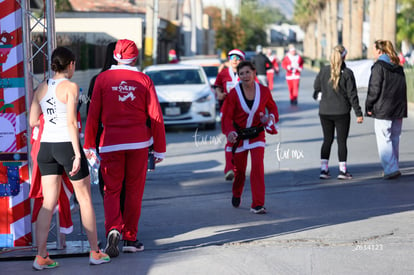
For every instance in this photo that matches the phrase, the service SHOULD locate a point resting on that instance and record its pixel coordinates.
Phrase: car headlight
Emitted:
(204, 99)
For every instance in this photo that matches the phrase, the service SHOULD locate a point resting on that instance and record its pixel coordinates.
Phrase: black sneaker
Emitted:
(229, 175)
(112, 243)
(132, 246)
(258, 210)
(344, 176)
(235, 202)
(324, 175)
(392, 175)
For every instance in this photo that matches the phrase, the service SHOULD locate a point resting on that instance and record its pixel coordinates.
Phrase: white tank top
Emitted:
(55, 115)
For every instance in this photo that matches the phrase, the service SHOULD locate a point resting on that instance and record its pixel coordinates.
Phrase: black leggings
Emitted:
(329, 123)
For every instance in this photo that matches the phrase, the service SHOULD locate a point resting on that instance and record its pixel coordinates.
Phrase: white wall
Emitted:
(97, 28)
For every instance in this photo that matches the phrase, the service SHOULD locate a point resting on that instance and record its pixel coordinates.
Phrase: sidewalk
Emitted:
(188, 226)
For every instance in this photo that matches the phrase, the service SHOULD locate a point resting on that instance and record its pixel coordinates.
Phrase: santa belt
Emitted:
(246, 133)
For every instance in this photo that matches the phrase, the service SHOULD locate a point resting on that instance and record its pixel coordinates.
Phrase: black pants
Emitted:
(329, 123)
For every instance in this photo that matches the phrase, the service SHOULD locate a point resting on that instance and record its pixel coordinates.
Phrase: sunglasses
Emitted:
(234, 57)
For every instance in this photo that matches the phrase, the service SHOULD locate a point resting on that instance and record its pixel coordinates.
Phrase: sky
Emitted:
(285, 6)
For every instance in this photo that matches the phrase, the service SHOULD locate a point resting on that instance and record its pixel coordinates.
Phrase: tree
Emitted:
(62, 5)
(306, 11)
(254, 20)
(229, 35)
(244, 31)
(405, 23)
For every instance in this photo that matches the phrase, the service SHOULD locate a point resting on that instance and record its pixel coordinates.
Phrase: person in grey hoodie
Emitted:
(386, 102)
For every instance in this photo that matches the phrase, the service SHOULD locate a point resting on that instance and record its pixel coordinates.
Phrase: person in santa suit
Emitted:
(270, 73)
(172, 57)
(227, 79)
(293, 64)
(248, 112)
(125, 101)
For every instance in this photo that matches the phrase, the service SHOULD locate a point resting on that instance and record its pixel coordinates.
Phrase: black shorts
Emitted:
(53, 158)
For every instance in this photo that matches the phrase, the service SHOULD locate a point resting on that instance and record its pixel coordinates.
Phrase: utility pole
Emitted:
(149, 33)
(155, 33)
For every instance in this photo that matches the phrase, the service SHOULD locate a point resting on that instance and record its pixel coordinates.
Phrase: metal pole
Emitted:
(155, 33)
(51, 38)
(149, 32)
(193, 28)
(28, 83)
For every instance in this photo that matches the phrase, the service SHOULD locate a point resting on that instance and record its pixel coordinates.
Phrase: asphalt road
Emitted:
(188, 226)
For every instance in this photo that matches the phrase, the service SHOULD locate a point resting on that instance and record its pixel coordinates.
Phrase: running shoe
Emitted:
(235, 202)
(229, 175)
(392, 175)
(132, 246)
(112, 243)
(98, 258)
(344, 175)
(258, 210)
(324, 175)
(41, 263)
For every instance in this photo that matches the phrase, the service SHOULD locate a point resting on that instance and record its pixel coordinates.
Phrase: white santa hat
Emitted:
(125, 51)
(238, 53)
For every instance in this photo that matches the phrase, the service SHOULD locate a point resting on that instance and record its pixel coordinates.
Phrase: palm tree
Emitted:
(332, 25)
(390, 18)
(346, 24)
(357, 19)
(307, 16)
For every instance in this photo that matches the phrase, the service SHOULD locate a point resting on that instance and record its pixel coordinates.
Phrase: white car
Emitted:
(184, 94)
(210, 66)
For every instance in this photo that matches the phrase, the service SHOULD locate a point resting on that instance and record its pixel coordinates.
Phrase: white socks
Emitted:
(324, 164)
(342, 166)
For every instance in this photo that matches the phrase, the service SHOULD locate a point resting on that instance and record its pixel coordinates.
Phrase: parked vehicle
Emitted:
(184, 94)
(210, 66)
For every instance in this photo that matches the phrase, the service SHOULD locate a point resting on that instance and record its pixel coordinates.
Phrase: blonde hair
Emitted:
(337, 58)
(386, 47)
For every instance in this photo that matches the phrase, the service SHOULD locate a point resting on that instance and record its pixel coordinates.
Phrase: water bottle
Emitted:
(151, 160)
(94, 163)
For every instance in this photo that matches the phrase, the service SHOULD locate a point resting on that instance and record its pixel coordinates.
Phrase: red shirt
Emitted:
(226, 79)
(124, 99)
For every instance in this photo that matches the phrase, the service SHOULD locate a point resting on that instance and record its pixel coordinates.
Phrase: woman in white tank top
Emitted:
(60, 150)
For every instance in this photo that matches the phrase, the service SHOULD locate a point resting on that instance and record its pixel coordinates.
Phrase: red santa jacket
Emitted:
(127, 104)
(235, 110)
(226, 79)
(293, 64)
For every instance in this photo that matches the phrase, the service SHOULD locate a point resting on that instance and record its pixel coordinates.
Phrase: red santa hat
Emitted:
(125, 51)
(238, 53)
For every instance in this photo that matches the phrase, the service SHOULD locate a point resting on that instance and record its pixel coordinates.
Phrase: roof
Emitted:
(106, 6)
(203, 61)
(171, 67)
(168, 8)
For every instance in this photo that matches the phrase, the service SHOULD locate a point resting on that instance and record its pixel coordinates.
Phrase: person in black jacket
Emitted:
(109, 61)
(335, 87)
(262, 64)
(386, 102)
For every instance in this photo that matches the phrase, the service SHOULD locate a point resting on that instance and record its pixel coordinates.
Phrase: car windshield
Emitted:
(176, 77)
(211, 71)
